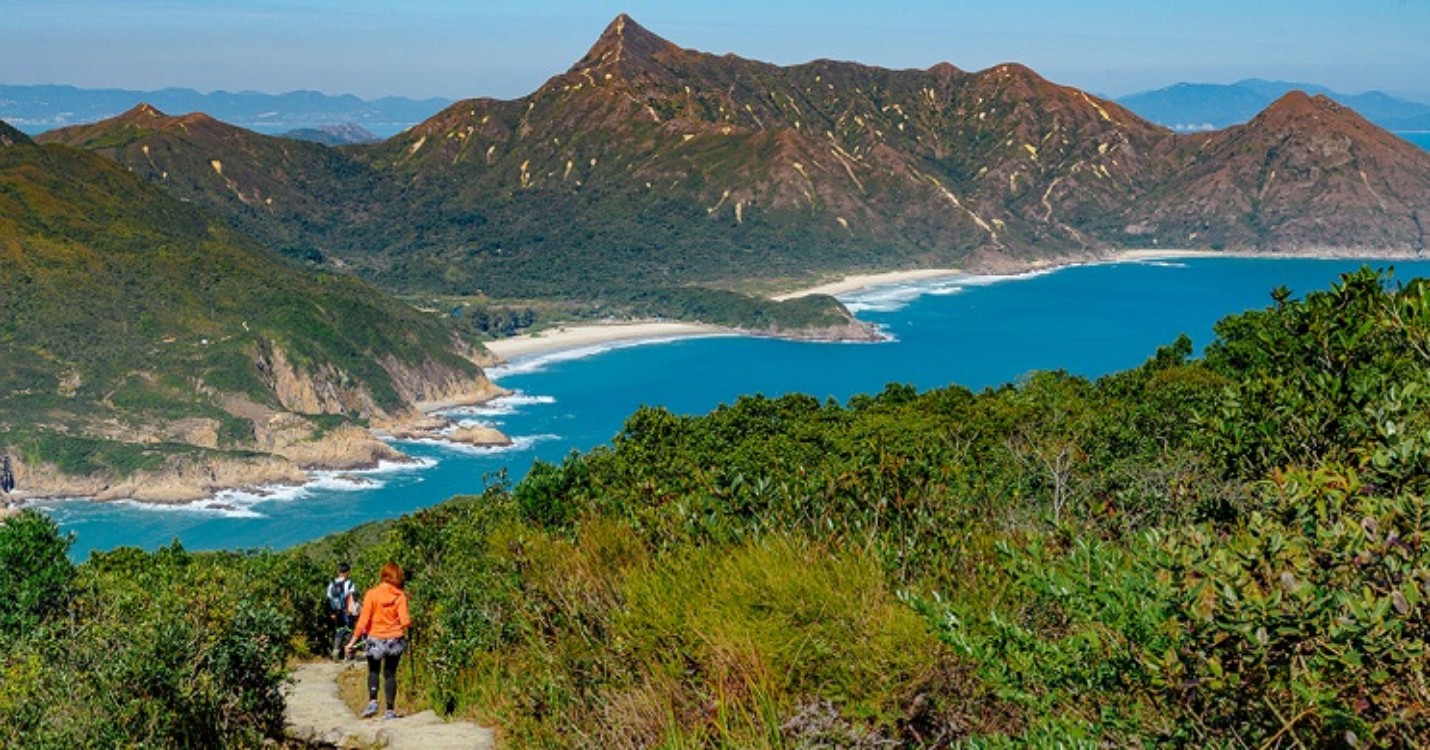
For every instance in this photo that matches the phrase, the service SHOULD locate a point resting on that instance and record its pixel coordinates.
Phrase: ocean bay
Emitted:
(976, 332)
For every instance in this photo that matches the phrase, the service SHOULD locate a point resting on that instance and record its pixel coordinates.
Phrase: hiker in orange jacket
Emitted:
(384, 621)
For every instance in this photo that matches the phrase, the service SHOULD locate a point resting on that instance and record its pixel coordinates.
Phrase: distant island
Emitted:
(1190, 107)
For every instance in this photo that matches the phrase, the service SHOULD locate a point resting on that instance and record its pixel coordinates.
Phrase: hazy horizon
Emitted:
(454, 49)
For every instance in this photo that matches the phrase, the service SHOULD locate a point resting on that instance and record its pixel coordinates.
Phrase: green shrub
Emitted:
(36, 570)
(161, 649)
(1304, 623)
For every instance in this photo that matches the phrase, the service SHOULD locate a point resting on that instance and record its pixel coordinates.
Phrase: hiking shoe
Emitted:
(371, 709)
(389, 715)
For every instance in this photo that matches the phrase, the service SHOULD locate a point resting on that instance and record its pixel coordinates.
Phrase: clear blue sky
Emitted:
(506, 48)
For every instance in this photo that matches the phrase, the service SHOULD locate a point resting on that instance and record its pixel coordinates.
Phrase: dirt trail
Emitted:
(317, 715)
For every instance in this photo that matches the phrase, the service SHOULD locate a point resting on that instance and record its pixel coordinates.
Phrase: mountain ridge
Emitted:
(1306, 151)
(649, 166)
(291, 195)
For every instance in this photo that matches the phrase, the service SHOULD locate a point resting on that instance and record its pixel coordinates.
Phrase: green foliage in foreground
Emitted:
(35, 570)
(163, 649)
(1225, 552)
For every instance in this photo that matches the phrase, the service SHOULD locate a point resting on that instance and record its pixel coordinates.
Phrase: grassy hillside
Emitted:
(128, 315)
(1217, 552)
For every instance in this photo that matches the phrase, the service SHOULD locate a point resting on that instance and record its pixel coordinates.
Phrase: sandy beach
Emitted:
(566, 338)
(576, 337)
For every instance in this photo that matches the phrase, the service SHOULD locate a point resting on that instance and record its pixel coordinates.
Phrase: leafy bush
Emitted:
(34, 560)
(1304, 623)
(158, 650)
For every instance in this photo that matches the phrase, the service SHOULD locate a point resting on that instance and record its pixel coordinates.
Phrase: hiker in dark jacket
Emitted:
(384, 622)
(342, 608)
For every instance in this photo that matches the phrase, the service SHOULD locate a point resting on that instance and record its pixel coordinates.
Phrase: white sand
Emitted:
(580, 336)
(576, 337)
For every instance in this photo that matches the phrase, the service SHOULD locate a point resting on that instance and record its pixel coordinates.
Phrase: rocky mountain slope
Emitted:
(1306, 174)
(148, 350)
(677, 164)
(294, 196)
(651, 168)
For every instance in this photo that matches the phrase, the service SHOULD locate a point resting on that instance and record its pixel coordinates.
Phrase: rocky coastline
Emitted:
(287, 448)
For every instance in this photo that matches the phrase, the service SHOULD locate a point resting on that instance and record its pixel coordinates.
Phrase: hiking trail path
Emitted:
(316, 714)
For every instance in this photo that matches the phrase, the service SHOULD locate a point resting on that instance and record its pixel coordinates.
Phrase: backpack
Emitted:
(338, 593)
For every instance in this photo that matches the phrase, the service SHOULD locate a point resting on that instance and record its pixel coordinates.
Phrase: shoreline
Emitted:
(201, 483)
(565, 338)
(568, 337)
(860, 282)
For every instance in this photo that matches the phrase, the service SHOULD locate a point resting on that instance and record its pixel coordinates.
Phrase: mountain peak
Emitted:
(1297, 109)
(945, 69)
(624, 40)
(143, 111)
(1297, 100)
(10, 136)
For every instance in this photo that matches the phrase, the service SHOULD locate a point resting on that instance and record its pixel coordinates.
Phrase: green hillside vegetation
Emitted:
(483, 318)
(125, 311)
(1227, 551)
(331, 208)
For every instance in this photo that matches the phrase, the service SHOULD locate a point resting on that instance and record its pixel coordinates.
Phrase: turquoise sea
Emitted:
(1419, 138)
(973, 331)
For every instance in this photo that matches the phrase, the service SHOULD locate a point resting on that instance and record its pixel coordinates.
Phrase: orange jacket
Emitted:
(384, 613)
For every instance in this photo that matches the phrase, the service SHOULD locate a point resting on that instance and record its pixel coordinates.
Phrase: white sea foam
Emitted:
(214, 506)
(254, 495)
(991, 279)
(412, 463)
(498, 407)
(343, 482)
(59, 508)
(890, 299)
(234, 503)
(897, 296)
(518, 444)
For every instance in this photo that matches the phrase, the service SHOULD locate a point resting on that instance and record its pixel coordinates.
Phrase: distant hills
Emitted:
(1210, 106)
(346, 134)
(35, 109)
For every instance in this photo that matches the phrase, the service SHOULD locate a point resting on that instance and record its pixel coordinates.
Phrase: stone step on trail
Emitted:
(315, 714)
